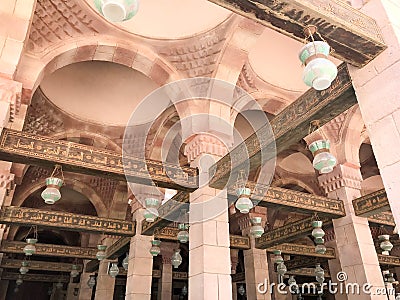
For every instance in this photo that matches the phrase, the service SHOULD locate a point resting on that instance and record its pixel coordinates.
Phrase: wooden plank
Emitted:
(268, 196)
(35, 277)
(383, 218)
(7, 263)
(371, 204)
(288, 232)
(44, 151)
(307, 272)
(305, 262)
(354, 36)
(303, 250)
(288, 127)
(50, 250)
(67, 221)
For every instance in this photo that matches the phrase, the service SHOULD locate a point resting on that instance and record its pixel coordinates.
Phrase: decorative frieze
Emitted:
(66, 221)
(39, 265)
(371, 204)
(341, 176)
(35, 277)
(303, 250)
(44, 151)
(389, 260)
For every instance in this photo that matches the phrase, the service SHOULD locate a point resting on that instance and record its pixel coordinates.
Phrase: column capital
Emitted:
(344, 175)
(167, 250)
(10, 92)
(204, 143)
(244, 219)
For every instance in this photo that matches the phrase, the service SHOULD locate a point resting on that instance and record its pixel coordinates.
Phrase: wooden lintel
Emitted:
(303, 250)
(371, 204)
(354, 36)
(383, 218)
(35, 277)
(306, 272)
(50, 250)
(389, 260)
(66, 221)
(7, 263)
(44, 151)
(288, 127)
(288, 232)
(305, 262)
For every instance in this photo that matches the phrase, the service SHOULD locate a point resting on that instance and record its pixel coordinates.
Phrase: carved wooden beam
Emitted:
(7, 263)
(269, 196)
(288, 232)
(307, 272)
(238, 277)
(44, 151)
(288, 127)
(303, 250)
(389, 260)
(371, 204)
(35, 277)
(354, 36)
(50, 250)
(67, 221)
(383, 218)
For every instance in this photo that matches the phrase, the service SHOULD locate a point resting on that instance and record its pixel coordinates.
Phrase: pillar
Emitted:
(355, 246)
(209, 244)
(85, 292)
(379, 99)
(140, 268)
(71, 290)
(234, 263)
(3, 289)
(167, 249)
(255, 260)
(105, 283)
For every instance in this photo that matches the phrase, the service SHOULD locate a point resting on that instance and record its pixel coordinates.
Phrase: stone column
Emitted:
(105, 283)
(167, 249)
(70, 290)
(355, 246)
(209, 252)
(85, 292)
(3, 289)
(379, 99)
(234, 263)
(255, 260)
(140, 268)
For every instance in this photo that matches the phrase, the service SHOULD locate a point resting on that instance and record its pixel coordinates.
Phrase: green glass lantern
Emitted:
(52, 194)
(278, 256)
(244, 204)
(183, 234)
(151, 212)
(176, 258)
(92, 281)
(281, 269)
(324, 161)
(117, 10)
(320, 249)
(74, 272)
(24, 268)
(19, 280)
(30, 248)
(155, 248)
(101, 253)
(256, 229)
(317, 231)
(125, 262)
(385, 245)
(319, 272)
(114, 270)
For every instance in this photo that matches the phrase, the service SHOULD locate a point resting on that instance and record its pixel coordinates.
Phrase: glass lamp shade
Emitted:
(114, 270)
(176, 258)
(125, 262)
(291, 280)
(117, 10)
(320, 279)
(155, 249)
(278, 256)
(244, 204)
(317, 232)
(19, 281)
(52, 194)
(319, 272)
(23, 270)
(101, 254)
(30, 248)
(184, 290)
(390, 278)
(256, 229)
(398, 297)
(59, 285)
(150, 214)
(385, 245)
(74, 272)
(92, 281)
(320, 249)
(281, 269)
(324, 161)
(319, 71)
(183, 234)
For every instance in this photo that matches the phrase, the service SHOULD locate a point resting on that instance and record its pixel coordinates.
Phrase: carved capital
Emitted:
(204, 144)
(10, 92)
(341, 176)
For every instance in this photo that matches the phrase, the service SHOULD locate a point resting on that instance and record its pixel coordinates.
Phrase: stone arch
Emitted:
(74, 184)
(294, 181)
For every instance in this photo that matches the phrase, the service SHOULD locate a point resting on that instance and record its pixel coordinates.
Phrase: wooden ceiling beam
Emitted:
(25, 148)
(371, 204)
(13, 215)
(354, 36)
(7, 263)
(35, 277)
(288, 127)
(303, 250)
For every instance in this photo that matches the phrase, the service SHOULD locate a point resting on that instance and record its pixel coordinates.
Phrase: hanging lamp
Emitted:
(113, 271)
(241, 290)
(117, 10)
(101, 253)
(319, 71)
(183, 234)
(92, 281)
(30, 248)
(243, 204)
(385, 245)
(125, 262)
(151, 211)
(278, 257)
(24, 267)
(256, 229)
(281, 269)
(51, 193)
(155, 248)
(19, 280)
(74, 271)
(176, 258)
